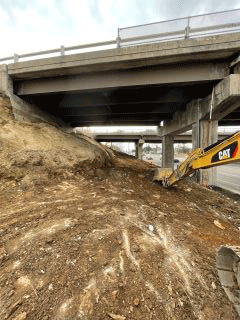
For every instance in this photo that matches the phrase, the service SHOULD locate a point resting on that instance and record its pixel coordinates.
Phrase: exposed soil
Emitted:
(94, 238)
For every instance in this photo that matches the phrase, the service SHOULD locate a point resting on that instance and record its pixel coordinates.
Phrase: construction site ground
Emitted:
(85, 233)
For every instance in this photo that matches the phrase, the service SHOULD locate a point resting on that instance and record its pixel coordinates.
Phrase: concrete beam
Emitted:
(177, 74)
(226, 99)
(111, 137)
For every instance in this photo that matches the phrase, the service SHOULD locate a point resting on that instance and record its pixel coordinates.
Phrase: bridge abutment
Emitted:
(24, 111)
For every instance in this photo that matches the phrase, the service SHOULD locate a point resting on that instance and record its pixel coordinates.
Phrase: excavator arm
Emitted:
(220, 153)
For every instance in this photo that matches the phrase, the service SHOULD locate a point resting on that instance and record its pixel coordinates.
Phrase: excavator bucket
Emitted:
(228, 266)
(161, 174)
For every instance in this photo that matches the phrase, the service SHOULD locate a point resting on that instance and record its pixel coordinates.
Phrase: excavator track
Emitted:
(228, 266)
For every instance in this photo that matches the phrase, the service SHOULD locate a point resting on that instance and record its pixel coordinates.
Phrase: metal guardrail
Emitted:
(62, 50)
(183, 28)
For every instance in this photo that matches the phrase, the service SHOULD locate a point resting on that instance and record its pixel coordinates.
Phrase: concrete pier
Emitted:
(168, 151)
(208, 136)
(139, 149)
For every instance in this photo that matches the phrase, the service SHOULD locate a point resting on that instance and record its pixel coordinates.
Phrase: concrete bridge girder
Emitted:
(179, 73)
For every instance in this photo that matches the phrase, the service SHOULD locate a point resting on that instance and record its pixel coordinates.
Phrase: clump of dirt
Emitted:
(106, 242)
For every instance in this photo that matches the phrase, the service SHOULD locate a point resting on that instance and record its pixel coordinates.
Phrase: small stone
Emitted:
(50, 287)
(114, 295)
(170, 289)
(180, 303)
(151, 227)
(136, 302)
(116, 317)
(218, 224)
(11, 293)
(49, 241)
(135, 247)
(214, 286)
(21, 316)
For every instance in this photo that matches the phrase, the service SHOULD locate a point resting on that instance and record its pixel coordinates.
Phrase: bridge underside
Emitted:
(142, 105)
(138, 105)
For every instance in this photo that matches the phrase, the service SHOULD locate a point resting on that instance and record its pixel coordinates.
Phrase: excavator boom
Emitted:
(220, 153)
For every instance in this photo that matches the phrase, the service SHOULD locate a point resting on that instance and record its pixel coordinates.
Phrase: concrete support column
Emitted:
(208, 136)
(139, 149)
(168, 151)
(195, 136)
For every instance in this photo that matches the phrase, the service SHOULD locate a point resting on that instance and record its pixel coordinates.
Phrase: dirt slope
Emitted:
(105, 242)
(31, 149)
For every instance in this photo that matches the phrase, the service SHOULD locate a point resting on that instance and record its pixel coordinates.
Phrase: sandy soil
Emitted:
(103, 241)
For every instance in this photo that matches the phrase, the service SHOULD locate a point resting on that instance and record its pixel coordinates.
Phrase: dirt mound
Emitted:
(104, 241)
(29, 148)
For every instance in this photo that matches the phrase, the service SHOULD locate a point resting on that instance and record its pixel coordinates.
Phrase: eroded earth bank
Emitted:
(85, 234)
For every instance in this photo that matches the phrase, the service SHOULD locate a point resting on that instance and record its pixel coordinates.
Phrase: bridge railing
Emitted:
(62, 50)
(183, 28)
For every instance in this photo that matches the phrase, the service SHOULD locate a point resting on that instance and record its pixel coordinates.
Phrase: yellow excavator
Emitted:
(220, 153)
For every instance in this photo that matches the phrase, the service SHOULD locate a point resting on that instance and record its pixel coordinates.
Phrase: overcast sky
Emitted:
(34, 25)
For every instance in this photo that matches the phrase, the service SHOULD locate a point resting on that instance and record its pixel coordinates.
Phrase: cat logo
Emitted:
(228, 152)
(224, 154)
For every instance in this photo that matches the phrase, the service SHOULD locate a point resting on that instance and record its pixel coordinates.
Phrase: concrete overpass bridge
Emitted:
(188, 78)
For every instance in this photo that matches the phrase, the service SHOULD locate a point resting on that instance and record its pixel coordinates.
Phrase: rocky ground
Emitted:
(85, 234)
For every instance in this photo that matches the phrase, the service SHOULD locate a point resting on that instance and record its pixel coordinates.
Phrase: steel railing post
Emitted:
(187, 29)
(16, 58)
(62, 50)
(118, 39)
